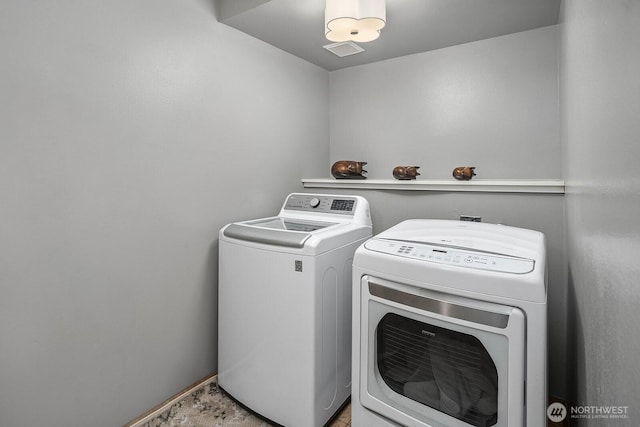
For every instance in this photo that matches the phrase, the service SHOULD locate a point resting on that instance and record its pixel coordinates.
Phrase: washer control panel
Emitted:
(452, 256)
(342, 205)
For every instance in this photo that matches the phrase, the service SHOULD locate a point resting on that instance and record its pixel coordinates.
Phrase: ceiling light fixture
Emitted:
(357, 20)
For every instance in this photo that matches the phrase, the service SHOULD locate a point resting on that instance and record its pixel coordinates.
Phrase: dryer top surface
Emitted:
(463, 257)
(491, 239)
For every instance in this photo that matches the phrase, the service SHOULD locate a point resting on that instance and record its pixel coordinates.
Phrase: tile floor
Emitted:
(343, 419)
(205, 405)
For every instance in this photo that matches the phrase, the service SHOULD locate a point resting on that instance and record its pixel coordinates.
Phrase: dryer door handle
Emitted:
(445, 308)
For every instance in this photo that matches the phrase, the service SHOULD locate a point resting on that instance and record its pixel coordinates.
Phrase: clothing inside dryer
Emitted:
(446, 370)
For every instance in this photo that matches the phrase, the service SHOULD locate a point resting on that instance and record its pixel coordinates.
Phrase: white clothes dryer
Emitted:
(284, 331)
(449, 326)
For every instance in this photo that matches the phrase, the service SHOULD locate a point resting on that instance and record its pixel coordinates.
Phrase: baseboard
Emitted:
(154, 412)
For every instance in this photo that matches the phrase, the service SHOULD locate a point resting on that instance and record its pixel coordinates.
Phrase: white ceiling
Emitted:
(413, 26)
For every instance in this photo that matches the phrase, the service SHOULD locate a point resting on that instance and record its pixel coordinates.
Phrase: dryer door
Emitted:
(433, 359)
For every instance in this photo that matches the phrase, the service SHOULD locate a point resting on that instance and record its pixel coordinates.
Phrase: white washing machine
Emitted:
(284, 331)
(449, 326)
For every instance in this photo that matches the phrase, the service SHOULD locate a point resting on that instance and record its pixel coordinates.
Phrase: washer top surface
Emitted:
(311, 223)
(476, 257)
(290, 224)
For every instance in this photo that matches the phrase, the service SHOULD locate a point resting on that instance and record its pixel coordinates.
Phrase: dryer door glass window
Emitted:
(446, 370)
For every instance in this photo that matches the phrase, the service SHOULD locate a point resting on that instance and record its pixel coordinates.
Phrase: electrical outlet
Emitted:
(471, 218)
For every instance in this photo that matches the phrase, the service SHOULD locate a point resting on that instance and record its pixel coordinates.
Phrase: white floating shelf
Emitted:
(475, 185)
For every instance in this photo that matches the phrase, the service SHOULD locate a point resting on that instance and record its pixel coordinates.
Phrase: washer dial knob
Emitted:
(315, 202)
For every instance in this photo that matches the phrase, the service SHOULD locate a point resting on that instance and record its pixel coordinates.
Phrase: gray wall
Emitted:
(492, 104)
(130, 132)
(600, 132)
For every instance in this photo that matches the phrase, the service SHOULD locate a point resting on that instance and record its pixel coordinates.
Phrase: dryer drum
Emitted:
(446, 370)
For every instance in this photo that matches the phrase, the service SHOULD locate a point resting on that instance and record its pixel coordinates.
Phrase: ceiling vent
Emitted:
(344, 48)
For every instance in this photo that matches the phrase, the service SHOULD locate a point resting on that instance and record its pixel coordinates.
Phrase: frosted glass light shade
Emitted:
(357, 20)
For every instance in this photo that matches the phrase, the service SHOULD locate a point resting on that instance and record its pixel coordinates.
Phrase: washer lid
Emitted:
(276, 231)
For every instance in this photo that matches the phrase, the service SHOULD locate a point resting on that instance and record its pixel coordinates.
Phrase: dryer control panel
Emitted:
(452, 256)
